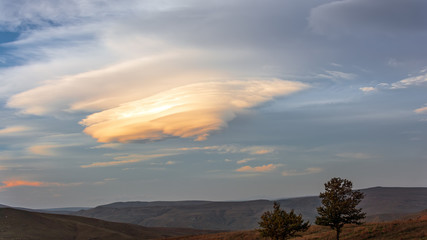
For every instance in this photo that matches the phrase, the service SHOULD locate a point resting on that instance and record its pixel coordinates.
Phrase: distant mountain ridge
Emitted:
(380, 204)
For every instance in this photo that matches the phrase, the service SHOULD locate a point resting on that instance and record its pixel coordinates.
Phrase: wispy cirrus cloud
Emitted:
(411, 81)
(336, 75)
(107, 145)
(43, 149)
(251, 150)
(191, 111)
(127, 159)
(354, 155)
(304, 172)
(258, 169)
(14, 130)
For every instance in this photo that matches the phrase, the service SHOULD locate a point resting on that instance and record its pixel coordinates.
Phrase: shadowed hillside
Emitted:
(24, 225)
(380, 203)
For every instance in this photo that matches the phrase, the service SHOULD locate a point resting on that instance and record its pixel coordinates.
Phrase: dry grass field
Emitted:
(413, 228)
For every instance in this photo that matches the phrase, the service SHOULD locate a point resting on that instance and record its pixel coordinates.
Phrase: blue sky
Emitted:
(105, 101)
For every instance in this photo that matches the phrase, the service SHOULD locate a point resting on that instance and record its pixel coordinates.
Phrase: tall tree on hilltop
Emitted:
(280, 225)
(339, 205)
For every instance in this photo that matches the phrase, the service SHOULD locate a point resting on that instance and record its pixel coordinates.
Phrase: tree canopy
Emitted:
(339, 203)
(280, 225)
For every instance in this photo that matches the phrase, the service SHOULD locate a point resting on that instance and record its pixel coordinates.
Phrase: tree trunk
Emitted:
(338, 234)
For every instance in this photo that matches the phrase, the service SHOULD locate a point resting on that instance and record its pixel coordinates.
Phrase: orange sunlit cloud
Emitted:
(18, 183)
(191, 111)
(265, 168)
(421, 110)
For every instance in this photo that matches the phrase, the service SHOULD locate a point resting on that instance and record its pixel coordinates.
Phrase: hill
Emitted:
(413, 228)
(25, 225)
(206, 215)
(380, 203)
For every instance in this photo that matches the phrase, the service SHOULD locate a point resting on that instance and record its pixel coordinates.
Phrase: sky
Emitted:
(136, 100)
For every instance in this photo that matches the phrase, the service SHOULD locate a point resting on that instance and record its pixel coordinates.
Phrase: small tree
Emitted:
(339, 205)
(280, 225)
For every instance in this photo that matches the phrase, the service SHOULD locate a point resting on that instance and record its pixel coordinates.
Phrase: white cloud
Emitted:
(107, 87)
(368, 89)
(191, 111)
(411, 81)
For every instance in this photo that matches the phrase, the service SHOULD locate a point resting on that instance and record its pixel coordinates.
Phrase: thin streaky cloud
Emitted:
(356, 155)
(43, 150)
(223, 149)
(107, 145)
(121, 160)
(13, 130)
(258, 169)
(336, 75)
(307, 171)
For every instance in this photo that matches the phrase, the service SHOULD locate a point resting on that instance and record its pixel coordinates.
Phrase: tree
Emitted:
(280, 225)
(339, 205)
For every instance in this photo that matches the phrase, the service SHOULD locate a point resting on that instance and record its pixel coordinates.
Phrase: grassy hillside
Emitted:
(413, 228)
(24, 225)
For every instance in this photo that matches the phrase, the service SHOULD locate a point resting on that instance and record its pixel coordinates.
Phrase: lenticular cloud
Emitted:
(191, 111)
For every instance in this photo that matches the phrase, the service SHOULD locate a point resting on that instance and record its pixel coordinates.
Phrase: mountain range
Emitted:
(380, 204)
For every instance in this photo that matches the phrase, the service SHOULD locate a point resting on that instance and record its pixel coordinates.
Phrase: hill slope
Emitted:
(24, 225)
(380, 203)
(414, 228)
